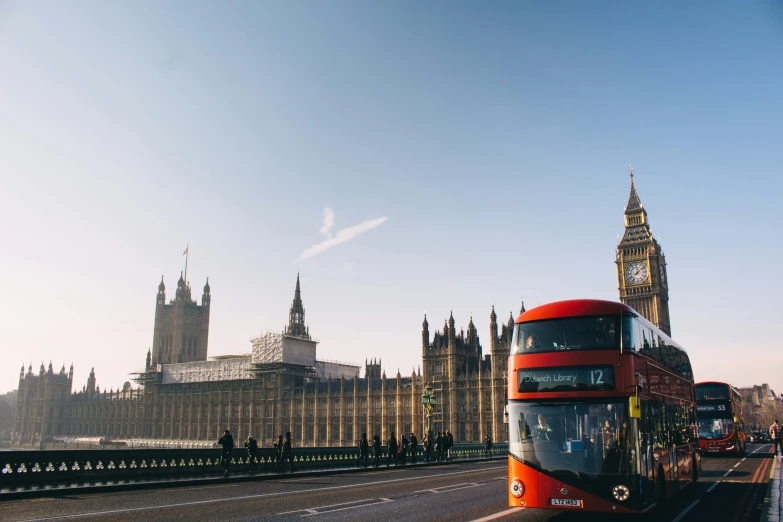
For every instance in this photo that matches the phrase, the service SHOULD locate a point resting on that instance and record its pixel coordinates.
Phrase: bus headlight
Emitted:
(517, 488)
(621, 493)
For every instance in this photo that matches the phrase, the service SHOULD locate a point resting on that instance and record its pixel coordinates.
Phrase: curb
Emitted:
(771, 511)
(174, 483)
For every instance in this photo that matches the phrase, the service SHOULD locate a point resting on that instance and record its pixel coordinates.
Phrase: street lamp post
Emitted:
(429, 401)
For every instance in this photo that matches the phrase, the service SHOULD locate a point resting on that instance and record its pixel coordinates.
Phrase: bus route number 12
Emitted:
(596, 377)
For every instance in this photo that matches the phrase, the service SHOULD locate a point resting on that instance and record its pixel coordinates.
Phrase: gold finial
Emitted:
(630, 169)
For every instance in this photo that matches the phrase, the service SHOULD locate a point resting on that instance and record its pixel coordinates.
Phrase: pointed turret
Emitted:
(149, 360)
(522, 308)
(206, 297)
(91, 388)
(183, 289)
(636, 224)
(425, 335)
(296, 316)
(634, 203)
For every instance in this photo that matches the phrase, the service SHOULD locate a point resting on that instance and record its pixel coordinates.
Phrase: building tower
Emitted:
(641, 266)
(296, 317)
(182, 326)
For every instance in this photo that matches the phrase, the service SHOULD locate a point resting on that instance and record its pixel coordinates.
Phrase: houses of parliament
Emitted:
(282, 386)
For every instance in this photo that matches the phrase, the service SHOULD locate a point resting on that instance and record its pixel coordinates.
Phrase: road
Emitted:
(731, 489)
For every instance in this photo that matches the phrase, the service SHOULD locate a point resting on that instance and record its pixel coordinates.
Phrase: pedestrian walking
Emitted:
(776, 432)
(252, 450)
(364, 450)
(278, 448)
(439, 447)
(449, 444)
(403, 451)
(487, 446)
(392, 450)
(376, 450)
(227, 444)
(286, 454)
(414, 447)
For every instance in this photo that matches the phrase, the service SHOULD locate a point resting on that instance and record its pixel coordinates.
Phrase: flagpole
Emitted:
(187, 253)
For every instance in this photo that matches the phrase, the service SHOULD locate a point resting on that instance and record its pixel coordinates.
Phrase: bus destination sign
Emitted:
(566, 378)
(713, 409)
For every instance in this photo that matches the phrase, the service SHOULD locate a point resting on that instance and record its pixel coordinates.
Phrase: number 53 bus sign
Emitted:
(567, 378)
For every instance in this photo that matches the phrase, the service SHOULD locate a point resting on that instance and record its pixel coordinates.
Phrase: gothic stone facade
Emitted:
(265, 400)
(641, 266)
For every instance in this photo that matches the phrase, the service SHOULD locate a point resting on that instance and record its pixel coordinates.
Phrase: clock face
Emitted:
(636, 273)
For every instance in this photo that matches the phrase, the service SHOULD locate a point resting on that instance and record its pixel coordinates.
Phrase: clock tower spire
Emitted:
(641, 265)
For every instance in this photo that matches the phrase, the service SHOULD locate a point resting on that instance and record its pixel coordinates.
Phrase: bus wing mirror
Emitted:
(634, 409)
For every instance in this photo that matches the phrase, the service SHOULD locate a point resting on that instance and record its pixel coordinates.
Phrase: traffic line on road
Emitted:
(342, 506)
(685, 511)
(193, 489)
(255, 496)
(498, 515)
(709, 490)
(453, 487)
(742, 511)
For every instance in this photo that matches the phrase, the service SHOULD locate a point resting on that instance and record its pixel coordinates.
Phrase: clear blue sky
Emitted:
(494, 136)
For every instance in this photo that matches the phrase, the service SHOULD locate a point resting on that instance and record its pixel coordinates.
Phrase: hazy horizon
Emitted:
(403, 158)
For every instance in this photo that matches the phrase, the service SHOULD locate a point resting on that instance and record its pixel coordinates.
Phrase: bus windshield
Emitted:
(568, 333)
(584, 438)
(714, 428)
(710, 392)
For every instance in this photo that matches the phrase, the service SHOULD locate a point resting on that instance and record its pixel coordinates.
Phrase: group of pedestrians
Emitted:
(282, 447)
(434, 449)
(438, 448)
(397, 452)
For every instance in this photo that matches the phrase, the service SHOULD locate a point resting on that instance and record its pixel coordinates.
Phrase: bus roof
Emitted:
(717, 383)
(573, 308)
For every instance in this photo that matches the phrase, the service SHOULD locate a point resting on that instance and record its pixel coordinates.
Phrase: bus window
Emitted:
(582, 438)
(568, 333)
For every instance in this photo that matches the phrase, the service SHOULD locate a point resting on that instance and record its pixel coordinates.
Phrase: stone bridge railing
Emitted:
(22, 470)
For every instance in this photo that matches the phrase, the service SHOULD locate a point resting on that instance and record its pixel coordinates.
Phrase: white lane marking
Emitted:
(501, 514)
(709, 490)
(259, 495)
(382, 501)
(743, 459)
(727, 473)
(685, 511)
(455, 487)
(193, 489)
(314, 510)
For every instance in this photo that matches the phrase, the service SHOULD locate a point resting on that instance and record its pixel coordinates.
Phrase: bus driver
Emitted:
(543, 429)
(532, 343)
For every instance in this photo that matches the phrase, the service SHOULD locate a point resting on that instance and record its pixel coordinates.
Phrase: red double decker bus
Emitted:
(719, 411)
(601, 410)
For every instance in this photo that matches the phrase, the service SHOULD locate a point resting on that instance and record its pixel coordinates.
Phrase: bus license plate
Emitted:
(570, 502)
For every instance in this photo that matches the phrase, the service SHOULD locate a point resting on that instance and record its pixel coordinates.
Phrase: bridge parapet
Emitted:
(32, 469)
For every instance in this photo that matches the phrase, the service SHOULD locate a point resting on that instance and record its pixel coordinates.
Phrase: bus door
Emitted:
(647, 452)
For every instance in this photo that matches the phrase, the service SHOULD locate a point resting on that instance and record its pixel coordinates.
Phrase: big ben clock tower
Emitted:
(641, 266)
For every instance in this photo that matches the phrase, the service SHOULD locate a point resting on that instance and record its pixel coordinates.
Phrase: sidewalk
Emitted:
(773, 503)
